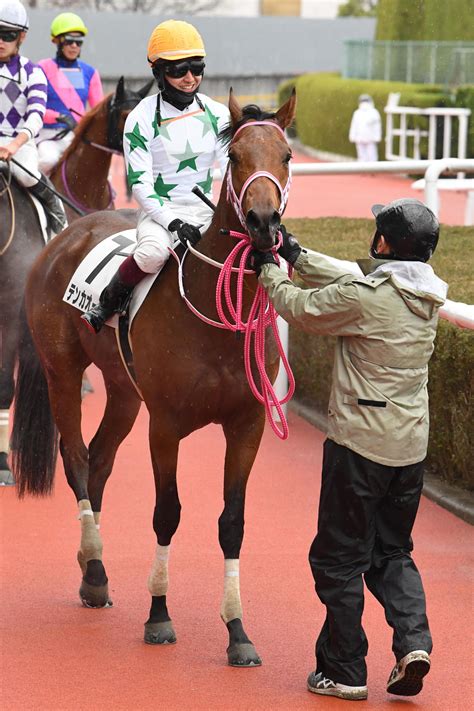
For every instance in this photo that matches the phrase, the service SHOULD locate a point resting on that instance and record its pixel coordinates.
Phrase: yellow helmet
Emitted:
(175, 39)
(67, 22)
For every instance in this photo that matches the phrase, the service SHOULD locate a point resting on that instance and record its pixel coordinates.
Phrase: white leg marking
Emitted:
(91, 542)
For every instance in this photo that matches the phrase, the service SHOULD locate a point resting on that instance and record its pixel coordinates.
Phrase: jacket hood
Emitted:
(416, 282)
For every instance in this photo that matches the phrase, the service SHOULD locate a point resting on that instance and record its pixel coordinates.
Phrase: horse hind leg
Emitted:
(242, 445)
(164, 453)
(120, 413)
(7, 365)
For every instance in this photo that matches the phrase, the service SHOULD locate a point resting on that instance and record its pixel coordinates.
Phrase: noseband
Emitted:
(236, 200)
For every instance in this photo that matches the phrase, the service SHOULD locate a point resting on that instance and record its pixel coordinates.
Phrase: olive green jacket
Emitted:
(386, 323)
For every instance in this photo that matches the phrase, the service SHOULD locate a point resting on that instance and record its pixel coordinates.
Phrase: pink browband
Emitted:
(236, 200)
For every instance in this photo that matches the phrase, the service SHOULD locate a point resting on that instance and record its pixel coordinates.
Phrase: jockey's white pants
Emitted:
(50, 150)
(367, 151)
(154, 241)
(27, 155)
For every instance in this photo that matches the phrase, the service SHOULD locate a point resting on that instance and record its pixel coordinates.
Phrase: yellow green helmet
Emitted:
(67, 22)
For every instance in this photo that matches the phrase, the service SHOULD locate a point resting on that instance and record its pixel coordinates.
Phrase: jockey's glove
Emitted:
(68, 120)
(257, 259)
(186, 232)
(290, 248)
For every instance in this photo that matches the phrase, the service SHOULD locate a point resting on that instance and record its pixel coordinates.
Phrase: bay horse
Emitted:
(88, 162)
(205, 379)
(83, 170)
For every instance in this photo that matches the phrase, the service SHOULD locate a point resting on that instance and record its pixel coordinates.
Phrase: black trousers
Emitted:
(366, 515)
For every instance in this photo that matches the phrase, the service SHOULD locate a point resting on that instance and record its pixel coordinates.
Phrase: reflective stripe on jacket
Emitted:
(386, 323)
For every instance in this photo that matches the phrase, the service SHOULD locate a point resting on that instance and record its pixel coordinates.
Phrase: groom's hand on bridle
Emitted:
(257, 259)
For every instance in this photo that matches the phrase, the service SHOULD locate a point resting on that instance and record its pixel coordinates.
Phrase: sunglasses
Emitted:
(68, 41)
(9, 35)
(178, 70)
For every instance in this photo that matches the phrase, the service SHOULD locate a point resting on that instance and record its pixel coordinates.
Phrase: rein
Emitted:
(7, 189)
(75, 201)
(261, 315)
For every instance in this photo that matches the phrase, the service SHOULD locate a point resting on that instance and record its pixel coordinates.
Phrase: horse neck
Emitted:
(87, 167)
(217, 245)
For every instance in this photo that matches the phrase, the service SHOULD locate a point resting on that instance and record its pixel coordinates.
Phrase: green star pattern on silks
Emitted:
(136, 139)
(209, 121)
(162, 130)
(186, 159)
(162, 189)
(206, 185)
(154, 196)
(133, 176)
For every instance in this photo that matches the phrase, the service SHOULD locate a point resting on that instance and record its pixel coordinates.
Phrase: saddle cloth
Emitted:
(97, 269)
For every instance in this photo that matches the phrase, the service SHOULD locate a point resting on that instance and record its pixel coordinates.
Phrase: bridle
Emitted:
(237, 200)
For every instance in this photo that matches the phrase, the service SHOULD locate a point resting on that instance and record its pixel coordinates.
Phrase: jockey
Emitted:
(72, 84)
(23, 90)
(170, 145)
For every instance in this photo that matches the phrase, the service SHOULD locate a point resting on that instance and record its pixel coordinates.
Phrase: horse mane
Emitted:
(251, 112)
(82, 127)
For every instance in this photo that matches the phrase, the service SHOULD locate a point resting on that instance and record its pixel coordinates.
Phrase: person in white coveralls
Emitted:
(366, 129)
(171, 142)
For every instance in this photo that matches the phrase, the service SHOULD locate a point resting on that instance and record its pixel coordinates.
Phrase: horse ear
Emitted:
(286, 113)
(120, 90)
(145, 89)
(234, 108)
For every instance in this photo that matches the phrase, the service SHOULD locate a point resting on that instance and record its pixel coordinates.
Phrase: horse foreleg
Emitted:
(242, 446)
(164, 453)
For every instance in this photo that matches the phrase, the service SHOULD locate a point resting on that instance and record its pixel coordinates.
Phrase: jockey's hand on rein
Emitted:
(68, 120)
(186, 232)
(257, 259)
(290, 248)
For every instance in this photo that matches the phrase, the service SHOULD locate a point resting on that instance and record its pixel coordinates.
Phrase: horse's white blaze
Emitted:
(91, 542)
(158, 578)
(4, 439)
(231, 607)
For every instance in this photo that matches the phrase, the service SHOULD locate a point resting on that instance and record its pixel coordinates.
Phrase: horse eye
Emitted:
(232, 157)
(288, 157)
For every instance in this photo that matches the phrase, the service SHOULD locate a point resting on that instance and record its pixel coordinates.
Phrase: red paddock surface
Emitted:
(59, 656)
(338, 195)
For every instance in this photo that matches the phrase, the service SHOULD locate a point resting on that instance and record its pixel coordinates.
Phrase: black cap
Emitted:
(410, 228)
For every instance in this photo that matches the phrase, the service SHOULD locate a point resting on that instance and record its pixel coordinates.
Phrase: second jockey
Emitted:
(72, 86)
(171, 144)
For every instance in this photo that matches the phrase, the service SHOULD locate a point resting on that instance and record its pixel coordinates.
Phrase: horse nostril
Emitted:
(253, 221)
(274, 222)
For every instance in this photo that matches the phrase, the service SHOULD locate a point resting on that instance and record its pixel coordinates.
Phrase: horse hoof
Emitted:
(95, 595)
(243, 655)
(160, 633)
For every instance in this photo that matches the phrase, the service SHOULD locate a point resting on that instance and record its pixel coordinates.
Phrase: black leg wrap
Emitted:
(159, 628)
(240, 652)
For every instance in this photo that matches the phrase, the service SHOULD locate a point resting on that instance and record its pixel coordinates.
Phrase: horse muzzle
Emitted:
(263, 227)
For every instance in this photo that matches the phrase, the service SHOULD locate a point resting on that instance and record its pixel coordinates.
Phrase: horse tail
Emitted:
(34, 435)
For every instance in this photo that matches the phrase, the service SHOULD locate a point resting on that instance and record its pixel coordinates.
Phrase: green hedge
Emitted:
(441, 20)
(326, 103)
(451, 381)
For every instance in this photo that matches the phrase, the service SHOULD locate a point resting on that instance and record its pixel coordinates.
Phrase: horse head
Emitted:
(259, 168)
(119, 106)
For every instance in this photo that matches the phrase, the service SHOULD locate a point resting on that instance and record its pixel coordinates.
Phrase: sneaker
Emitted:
(406, 678)
(319, 684)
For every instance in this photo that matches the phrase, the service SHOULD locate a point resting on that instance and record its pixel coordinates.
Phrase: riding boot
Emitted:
(55, 212)
(112, 300)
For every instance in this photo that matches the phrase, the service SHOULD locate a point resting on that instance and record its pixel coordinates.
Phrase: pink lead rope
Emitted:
(261, 315)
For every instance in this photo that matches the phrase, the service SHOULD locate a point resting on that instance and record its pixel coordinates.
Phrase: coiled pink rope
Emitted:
(261, 315)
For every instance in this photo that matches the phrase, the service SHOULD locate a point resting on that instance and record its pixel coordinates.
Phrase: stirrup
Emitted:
(93, 321)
